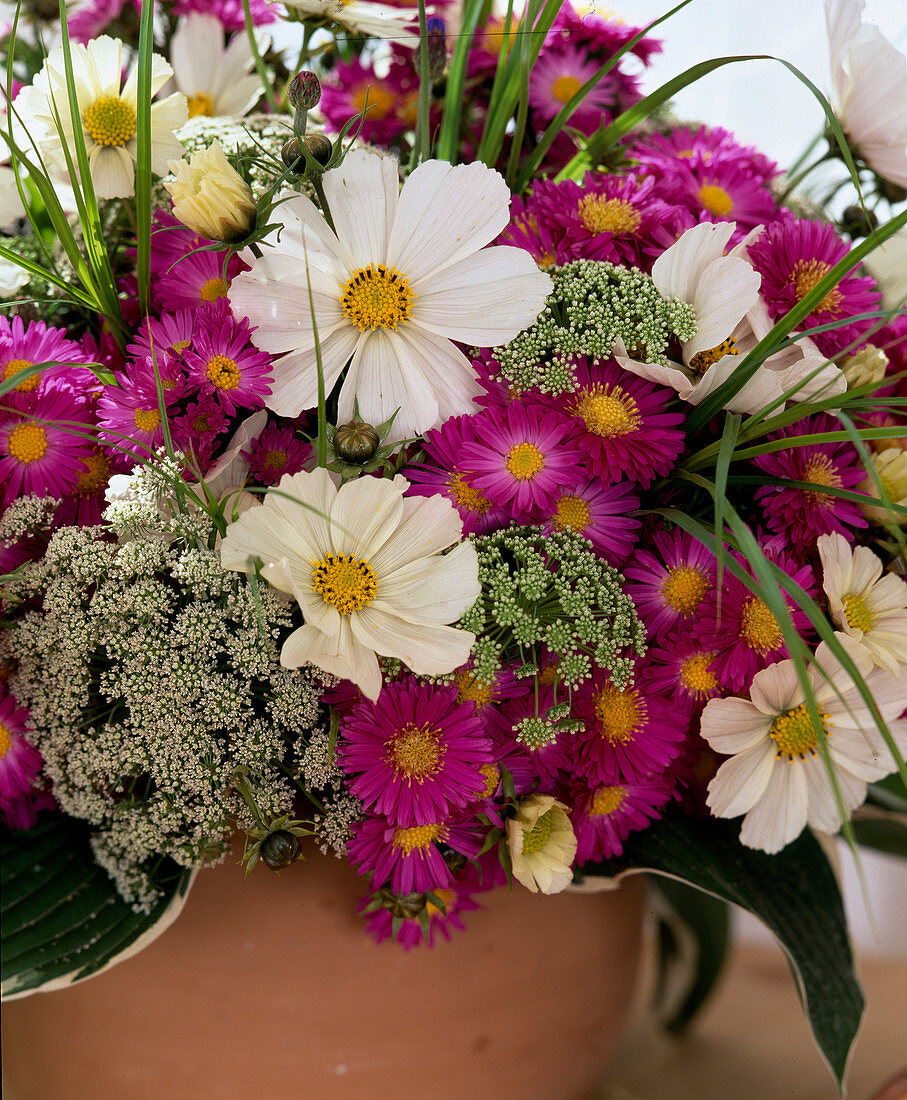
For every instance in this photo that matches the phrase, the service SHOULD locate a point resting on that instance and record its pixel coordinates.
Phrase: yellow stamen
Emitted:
(416, 752)
(601, 215)
(344, 582)
(275, 460)
(716, 200)
(110, 121)
(13, 367)
(805, 275)
(858, 612)
(465, 495)
(6, 740)
(212, 290)
(620, 714)
(606, 800)
(419, 837)
(223, 373)
(696, 674)
(535, 839)
(524, 461)
(146, 420)
(380, 101)
(794, 733)
(377, 297)
(758, 627)
(200, 104)
(492, 774)
(95, 476)
(472, 689)
(572, 512)
(684, 588)
(820, 470)
(702, 360)
(565, 87)
(606, 410)
(447, 898)
(27, 443)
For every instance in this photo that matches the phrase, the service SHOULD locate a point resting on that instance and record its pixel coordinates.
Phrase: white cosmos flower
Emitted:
(364, 17)
(542, 844)
(888, 266)
(214, 80)
(368, 569)
(776, 775)
(107, 108)
(868, 606)
(406, 273)
(868, 89)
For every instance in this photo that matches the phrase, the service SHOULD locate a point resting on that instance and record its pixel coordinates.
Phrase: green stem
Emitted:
(422, 142)
(259, 62)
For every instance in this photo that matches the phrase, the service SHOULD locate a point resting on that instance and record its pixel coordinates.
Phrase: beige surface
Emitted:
(752, 1041)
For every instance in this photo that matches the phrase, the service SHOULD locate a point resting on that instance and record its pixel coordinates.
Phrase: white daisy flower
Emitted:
(406, 274)
(364, 17)
(868, 606)
(214, 80)
(888, 266)
(542, 844)
(368, 569)
(107, 108)
(776, 775)
(868, 89)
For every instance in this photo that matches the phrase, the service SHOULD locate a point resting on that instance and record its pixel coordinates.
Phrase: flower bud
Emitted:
(279, 849)
(210, 197)
(857, 222)
(319, 147)
(356, 442)
(437, 47)
(291, 155)
(868, 365)
(304, 91)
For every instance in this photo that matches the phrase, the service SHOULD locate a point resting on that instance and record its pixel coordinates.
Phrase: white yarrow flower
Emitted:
(776, 775)
(214, 80)
(542, 844)
(405, 275)
(368, 569)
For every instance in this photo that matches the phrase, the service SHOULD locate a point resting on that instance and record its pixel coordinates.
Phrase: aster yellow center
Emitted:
(601, 215)
(275, 460)
(565, 88)
(375, 97)
(716, 200)
(759, 628)
(146, 420)
(696, 674)
(857, 612)
(820, 470)
(472, 689)
(223, 373)
(794, 733)
(6, 740)
(524, 461)
(573, 513)
(13, 367)
(620, 714)
(110, 121)
(607, 411)
(419, 837)
(27, 443)
(465, 495)
(805, 275)
(344, 582)
(684, 587)
(535, 839)
(416, 752)
(95, 474)
(606, 800)
(702, 360)
(377, 297)
(492, 775)
(200, 105)
(211, 290)
(201, 424)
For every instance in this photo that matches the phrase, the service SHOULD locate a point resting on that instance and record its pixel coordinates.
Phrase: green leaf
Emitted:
(793, 893)
(883, 830)
(62, 918)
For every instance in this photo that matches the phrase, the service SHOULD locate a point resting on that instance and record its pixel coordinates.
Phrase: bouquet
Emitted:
(420, 445)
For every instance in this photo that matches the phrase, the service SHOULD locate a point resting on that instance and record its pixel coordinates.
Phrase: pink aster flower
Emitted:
(224, 362)
(792, 256)
(416, 755)
(230, 12)
(456, 899)
(682, 668)
(719, 192)
(164, 338)
(93, 18)
(184, 277)
(24, 346)
(669, 583)
(199, 427)
(390, 103)
(706, 147)
(520, 457)
(630, 734)
(41, 449)
(604, 816)
(600, 514)
(276, 452)
(549, 763)
(600, 35)
(20, 761)
(802, 515)
(129, 418)
(558, 74)
(85, 503)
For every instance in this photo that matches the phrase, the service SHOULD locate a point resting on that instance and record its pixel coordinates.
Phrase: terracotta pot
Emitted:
(276, 991)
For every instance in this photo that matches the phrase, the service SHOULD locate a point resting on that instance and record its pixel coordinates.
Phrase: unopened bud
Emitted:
(304, 91)
(356, 442)
(437, 48)
(868, 365)
(857, 222)
(291, 154)
(279, 850)
(319, 147)
(210, 197)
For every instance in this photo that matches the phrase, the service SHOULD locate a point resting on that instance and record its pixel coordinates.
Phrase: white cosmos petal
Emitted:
(733, 726)
(364, 516)
(776, 688)
(343, 656)
(433, 590)
(678, 269)
(741, 781)
(725, 291)
(386, 374)
(428, 525)
(112, 171)
(428, 649)
(295, 385)
(450, 375)
(455, 303)
(822, 809)
(279, 306)
(362, 195)
(780, 814)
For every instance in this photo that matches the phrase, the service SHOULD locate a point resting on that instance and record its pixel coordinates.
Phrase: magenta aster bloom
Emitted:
(792, 256)
(805, 514)
(520, 457)
(558, 74)
(92, 19)
(84, 505)
(598, 35)
(129, 418)
(702, 148)
(192, 279)
(539, 238)
(550, 763)
(409, 858)
(681, 668)
(274, 453)
(164, 338)
(390, 103)
(230, 12)
(718, 192)
(20, 761)
(23, 346)
(416, 755)
(224, 362)
(41, 449)
(199, 427)
(669, 584)
(600, 514)
(604, 816)
(629, 734)
(456, 899)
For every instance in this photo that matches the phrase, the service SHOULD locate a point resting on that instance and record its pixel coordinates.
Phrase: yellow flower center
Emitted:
(13, 367)
(492, 774)
(758, 627)
(6, 740)
(565, 87)
(524, 461)
(212, 290)
(110, 121)
(820, 470)
(94, 476)
(416, 752)
(344, 582)
(275, 460)
(535, 839)
(702, 360)
(181, 345)
(377, 297)
(684, 587)
(601, 215)
(27, 443)
(419, 837)
(606, 800)
(572, 512)
(620, 714)
(857, 612)
(716, 200)
(794, 733)
(146, 420)
(201, 424)
(380, 101)
(472, 689)
(607, 411)
(465, 495)
(805, 275)
(200, 104)
(696, 674)
(223, 373)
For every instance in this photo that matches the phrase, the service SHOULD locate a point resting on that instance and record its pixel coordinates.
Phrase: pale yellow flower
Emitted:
(210, 196)
(542, 844)
(891, 469)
